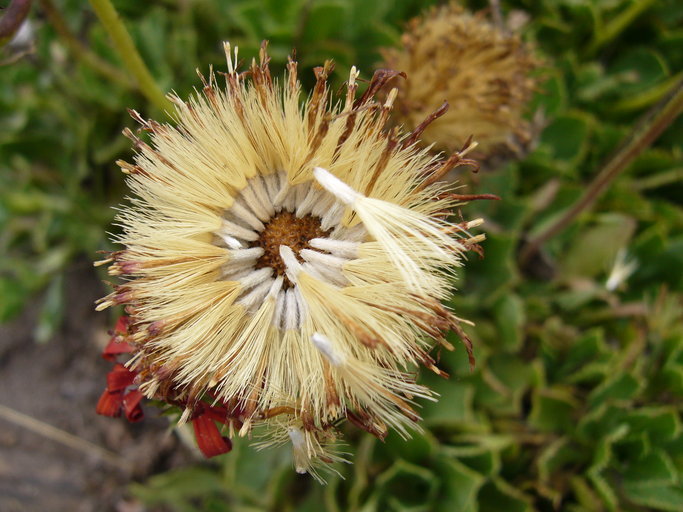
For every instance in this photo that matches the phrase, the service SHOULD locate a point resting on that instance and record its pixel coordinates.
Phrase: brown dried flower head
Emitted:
(483, 73)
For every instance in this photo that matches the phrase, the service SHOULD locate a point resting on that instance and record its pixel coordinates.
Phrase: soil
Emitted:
(88, 463)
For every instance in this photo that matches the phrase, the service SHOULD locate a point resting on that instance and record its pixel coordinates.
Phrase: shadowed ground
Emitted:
(58, 384)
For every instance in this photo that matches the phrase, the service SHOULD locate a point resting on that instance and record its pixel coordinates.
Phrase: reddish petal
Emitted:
(122, 325)
(119, 378)
(131, 406)
(109, 404)
(219, 414)
(115, 347)
(209, 439)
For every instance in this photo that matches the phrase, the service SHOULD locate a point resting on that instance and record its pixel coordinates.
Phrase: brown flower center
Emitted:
(286, 229)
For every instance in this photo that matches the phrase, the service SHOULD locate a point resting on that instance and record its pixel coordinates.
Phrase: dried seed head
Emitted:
(285, 263)
(483, 73)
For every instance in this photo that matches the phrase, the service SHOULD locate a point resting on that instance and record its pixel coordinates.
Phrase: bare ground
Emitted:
(85, 462)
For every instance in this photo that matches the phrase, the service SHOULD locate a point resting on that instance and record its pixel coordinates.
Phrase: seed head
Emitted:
(285, 263)
(482, 72)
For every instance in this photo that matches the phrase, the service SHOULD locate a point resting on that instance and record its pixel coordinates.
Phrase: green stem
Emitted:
(659, 180)
(79, 50)
(129, 54)
(619, 24)
(642, 136)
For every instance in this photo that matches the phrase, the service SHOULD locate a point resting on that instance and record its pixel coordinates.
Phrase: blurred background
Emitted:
(575, 403)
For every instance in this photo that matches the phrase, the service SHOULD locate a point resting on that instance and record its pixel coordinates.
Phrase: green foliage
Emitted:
(575, 401)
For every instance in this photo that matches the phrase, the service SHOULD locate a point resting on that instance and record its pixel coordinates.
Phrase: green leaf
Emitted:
(662, 424)
(596, 249)
(617, 387)
(645, 66)
(325, 20)
(553, 410)
(419, 448)
(498, 495)
(566, 137)
(454, 405)
(177, 488)
(496, 272)
(510, 318)
(459, 487)
(587, 348)
(654, 469)
(408, 488)
(657, 497)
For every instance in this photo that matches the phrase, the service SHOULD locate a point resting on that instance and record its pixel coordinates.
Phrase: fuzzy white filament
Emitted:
(301, 458)
(244, 224)
(324, 345)
(335, 186)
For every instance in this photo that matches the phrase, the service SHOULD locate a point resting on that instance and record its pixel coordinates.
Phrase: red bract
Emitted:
(116, 345)
(122, 396)
(209, 438)
(118, 397)
(131, 405)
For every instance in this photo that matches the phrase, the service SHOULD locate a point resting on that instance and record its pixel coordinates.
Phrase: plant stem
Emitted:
(129, 54)
(644, 134)
(618, 24)
(659, 180)
(79, 50)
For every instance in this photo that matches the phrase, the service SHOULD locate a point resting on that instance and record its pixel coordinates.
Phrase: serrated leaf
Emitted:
(660, 497)
(566, 137)
(407, 487)
(552, 410)
(467, 445)
(617, 387)
(604, 490)
(646, 67)
(654, 469)
(460, 486)
(454, 405)
(596, 249)
(587, 348)
(510, 318)
(555, 456)
(498, 495)
(660, 423)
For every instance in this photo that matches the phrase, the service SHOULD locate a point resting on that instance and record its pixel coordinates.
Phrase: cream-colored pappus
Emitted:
(286, 261)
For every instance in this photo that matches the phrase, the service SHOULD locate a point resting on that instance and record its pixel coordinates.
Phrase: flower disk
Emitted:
(483, 73)
(285, 262)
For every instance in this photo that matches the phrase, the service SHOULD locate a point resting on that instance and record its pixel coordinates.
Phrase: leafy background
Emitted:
(575, 403)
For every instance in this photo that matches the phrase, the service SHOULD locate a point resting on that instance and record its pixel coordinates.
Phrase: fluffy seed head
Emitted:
(482, 72)
(285, 262)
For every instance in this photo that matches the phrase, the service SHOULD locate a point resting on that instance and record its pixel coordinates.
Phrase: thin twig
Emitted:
(79, 50)
(63, 437)
(644, 134)
(129, 54)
